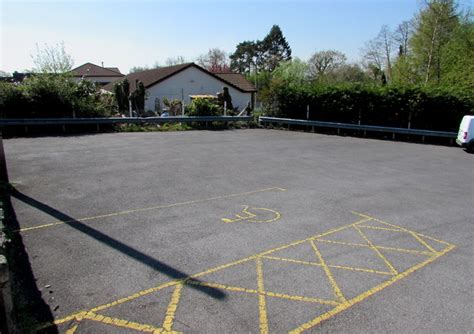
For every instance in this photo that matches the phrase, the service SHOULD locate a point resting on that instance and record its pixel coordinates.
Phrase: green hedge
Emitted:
(48, 95)
(432, 109)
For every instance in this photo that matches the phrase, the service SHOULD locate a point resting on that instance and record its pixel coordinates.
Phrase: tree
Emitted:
(401, 36)
(122, 94)
(136, 69)
(247, 56)
(323, 62)
(275, 49)
(263, 55)
(171, 61)
(291, 72)
(378, 51)
(458, 57)
(348, 73)
(433, 27)
(225, 98)
(215, 60)
(52, 59)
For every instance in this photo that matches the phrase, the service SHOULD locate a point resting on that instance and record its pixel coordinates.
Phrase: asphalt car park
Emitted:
(245, 231)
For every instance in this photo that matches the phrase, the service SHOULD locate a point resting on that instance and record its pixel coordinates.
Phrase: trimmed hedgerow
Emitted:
(434, 109)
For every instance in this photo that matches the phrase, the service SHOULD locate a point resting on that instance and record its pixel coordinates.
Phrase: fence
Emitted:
(120, 120)
(360, 127)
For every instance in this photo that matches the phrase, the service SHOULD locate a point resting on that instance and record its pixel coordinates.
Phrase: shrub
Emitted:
(423, 108)
(53, 95)
(203, 107)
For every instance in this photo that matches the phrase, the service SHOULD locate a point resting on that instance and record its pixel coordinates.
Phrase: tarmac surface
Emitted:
(246, 231)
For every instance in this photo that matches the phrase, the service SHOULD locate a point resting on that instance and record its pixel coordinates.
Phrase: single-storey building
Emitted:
(182, 81)
(97, 74)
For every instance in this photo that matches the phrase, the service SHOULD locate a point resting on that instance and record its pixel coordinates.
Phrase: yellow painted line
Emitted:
(122, 323)
(131, 297)
(344, 243)
(262, 305)
(72, 330)
(172, 307)
(315, 237)
(266, 293)
(126, 212)
(380, 255)
(188, 280)
(276, 213)
(421, 241)
(366, 270)
(431, 238)
(381, 228)
(344, 306)
(223, 287)
(403, 250)
(224, 266)
(416, 235)
(329, 265)
(292, 261)
(333, 282)
(301, 298)
(206, 272)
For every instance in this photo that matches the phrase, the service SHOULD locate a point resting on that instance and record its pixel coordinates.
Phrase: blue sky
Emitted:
(129, 33)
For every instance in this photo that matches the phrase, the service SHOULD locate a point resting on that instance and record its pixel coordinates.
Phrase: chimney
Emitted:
(102, 64)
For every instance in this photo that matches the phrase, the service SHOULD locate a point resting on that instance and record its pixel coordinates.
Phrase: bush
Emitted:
(439, 109)
(53, 95)
(203, 107)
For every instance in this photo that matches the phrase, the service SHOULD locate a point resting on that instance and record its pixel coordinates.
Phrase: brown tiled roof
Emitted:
(115, 69)
(92, 70)
(152, 77)
(238, 80)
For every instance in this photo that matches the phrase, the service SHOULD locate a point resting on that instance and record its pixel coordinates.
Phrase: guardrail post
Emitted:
(393, 136)
(98, 127)
(312, 129)
(64, 128)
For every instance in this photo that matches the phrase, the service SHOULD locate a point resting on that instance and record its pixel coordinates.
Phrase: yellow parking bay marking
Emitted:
(72, 330)
(334, 285)
(157, 207)
(172, 307)
(342, 301)
(262, 305)
(389, 265)
(338, 309)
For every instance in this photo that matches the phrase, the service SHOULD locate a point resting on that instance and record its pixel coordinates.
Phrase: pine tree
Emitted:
(276, 49)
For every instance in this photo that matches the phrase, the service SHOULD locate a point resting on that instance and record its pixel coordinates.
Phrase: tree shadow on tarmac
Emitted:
(113, 243)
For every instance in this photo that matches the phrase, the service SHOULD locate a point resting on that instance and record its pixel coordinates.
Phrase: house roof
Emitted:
(115, 69)
(154, 76)
(92, 70)
(238, 80)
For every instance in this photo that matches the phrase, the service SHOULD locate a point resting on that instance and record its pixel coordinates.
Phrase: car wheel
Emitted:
(470, 147)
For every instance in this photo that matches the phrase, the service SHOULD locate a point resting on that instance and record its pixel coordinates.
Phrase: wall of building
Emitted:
(193, 81)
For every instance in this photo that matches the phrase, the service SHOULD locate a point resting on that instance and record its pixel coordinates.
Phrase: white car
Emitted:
(466, 133)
